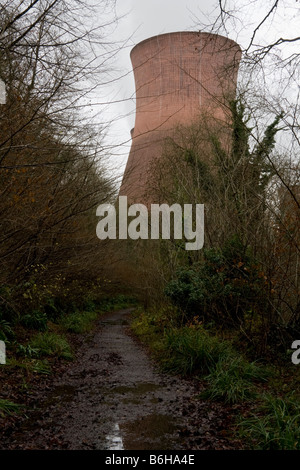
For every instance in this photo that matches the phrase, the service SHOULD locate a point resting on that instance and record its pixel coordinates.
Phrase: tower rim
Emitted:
(186, 32)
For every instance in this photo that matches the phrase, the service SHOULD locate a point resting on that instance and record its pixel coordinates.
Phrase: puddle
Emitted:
(152, 432)
(148, 431)
(61, 394)
(112, 400)
(140, 389)
(114, 440)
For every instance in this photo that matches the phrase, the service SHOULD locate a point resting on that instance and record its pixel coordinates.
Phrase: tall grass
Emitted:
(233, 379)
(193, 351)
(276, 426)
(51, 344)
(79, 322)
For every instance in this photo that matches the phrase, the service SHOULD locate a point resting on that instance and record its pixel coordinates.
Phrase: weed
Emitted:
(8, 407)
(41, 367)
(6, 330)
(26, 350)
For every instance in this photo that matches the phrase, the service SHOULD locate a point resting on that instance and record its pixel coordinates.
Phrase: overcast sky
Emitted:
(147, 18)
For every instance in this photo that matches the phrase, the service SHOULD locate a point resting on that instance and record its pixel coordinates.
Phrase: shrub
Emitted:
(226, 286)
(35, 320)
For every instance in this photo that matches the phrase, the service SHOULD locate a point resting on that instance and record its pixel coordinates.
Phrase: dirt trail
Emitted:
(113, 397)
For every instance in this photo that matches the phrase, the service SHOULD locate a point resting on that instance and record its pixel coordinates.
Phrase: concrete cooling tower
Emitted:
(177, 76)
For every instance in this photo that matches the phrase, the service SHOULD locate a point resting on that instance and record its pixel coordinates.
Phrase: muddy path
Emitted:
(112, 397)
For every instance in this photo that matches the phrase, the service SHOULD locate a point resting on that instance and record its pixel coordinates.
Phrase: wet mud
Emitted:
(113, 397)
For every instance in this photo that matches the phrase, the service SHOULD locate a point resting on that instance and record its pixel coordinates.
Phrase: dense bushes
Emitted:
(226, 287)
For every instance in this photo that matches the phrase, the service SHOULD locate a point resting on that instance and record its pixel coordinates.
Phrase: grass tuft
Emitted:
(51, 344)
(79, 322)
(193, 351)
(276, 426)
(233, 380)
(8, 407)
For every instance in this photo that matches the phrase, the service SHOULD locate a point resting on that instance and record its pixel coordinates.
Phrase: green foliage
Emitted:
(6, 331)
(7, 315)
(41, 367)
(276, 426)
(233, 379)
(7, 407)
(29, 362)
(35, 320)
(115, 302)
(223, 287)
(151, 327)
(240, 131)
(79, 322)
(193, 351)
(260, 158)
(201, 171)
(51, 344)
(26, 350)
(52, 308)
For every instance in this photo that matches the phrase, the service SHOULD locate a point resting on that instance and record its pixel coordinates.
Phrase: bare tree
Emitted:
(53, 56)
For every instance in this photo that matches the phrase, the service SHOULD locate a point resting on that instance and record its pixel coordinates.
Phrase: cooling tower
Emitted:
(177, 77)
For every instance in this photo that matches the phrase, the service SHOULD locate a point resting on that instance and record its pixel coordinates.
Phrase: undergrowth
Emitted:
(275, 425)
(191, 350)
(267, 420)
(51, 344)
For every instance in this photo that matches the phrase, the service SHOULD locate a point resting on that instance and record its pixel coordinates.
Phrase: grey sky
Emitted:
(152, 17)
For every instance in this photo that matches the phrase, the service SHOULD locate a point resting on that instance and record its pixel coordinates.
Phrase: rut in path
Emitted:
(113, 398)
